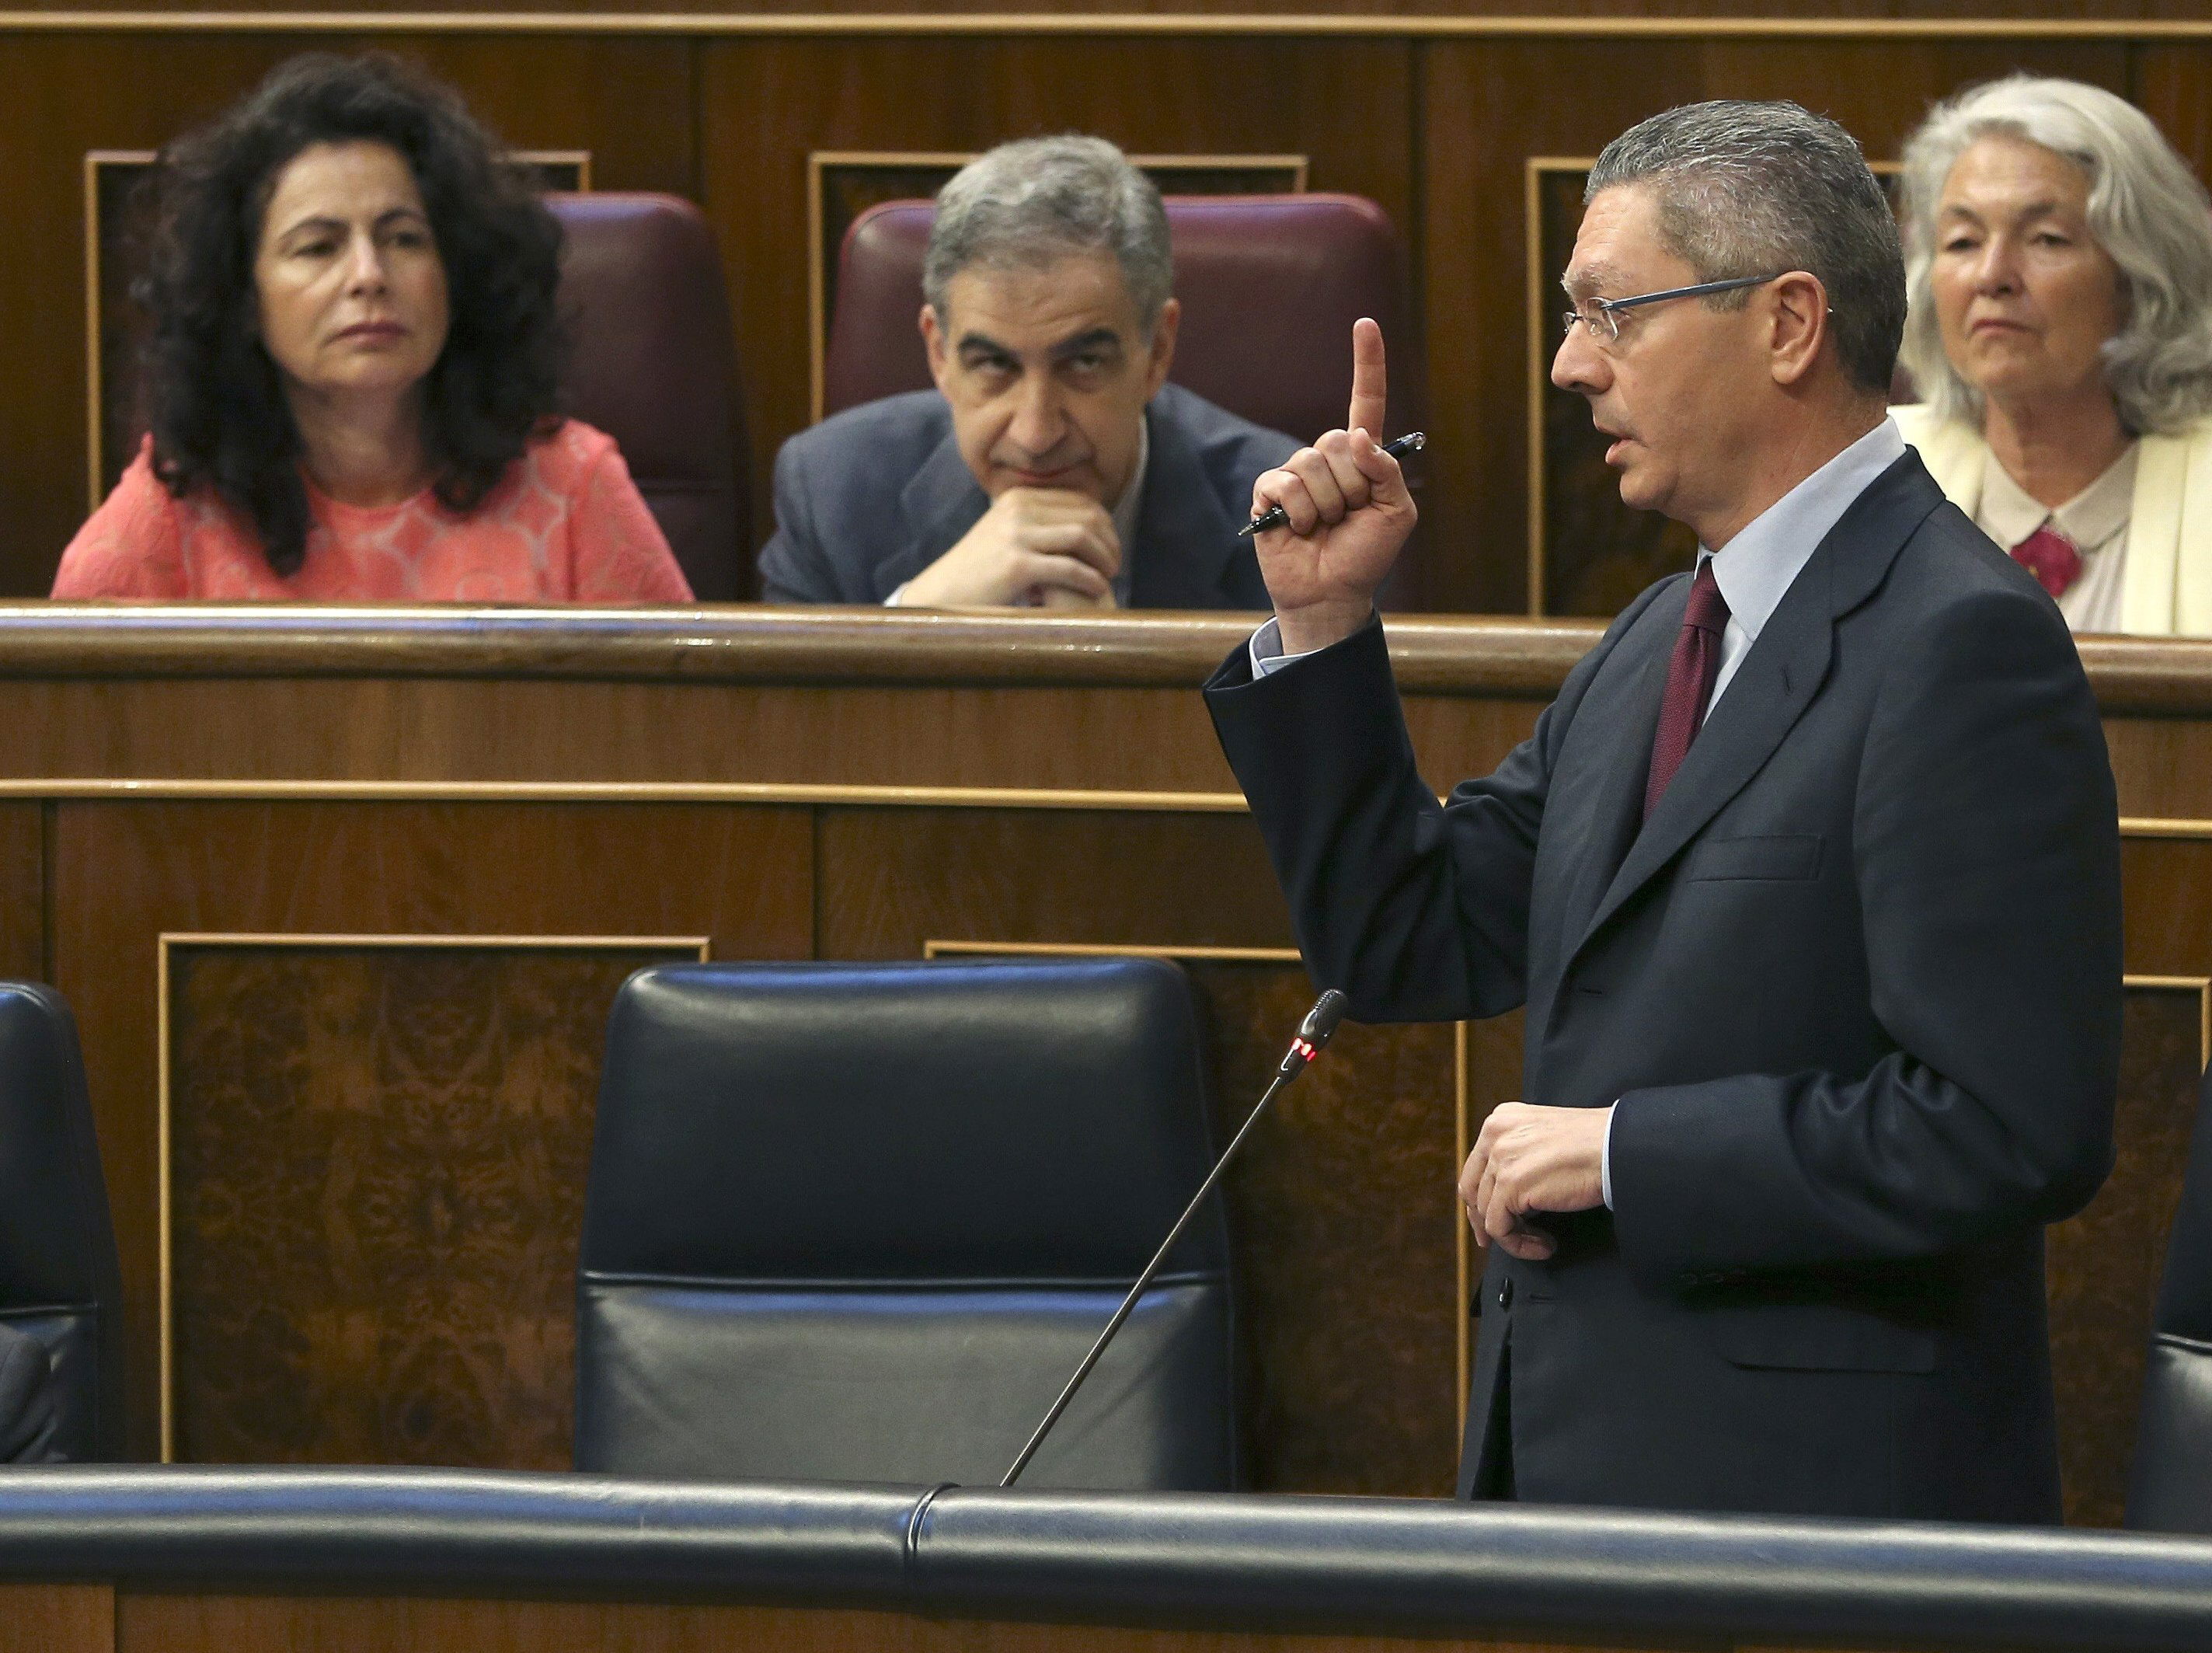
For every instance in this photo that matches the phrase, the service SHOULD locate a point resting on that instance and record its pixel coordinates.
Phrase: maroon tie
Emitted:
(2050, 558)
(1689, 676)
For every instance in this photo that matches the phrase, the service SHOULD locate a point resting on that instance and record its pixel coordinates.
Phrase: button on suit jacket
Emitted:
(866, 499)
(1855, 986)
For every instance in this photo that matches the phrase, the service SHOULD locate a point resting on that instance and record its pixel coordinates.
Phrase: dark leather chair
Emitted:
(58, 1278)
(2170, 1481)
(859, 1222)
(1270, 286)
(654, 367)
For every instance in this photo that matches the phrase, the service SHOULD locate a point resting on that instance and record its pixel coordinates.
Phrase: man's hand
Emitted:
(1048, 545)
(1349, 513)
(1531, 1160)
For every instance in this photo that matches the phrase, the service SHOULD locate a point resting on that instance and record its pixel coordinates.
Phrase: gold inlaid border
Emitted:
(826, 795)
(1318, 24)
(95, 432)
(820, 162)
(703, 945)
(2202, 985)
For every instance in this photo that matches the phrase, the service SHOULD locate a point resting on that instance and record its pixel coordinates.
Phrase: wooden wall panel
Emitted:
(2106, 1264)
(281, 729)
(22, 892)
(56, 1618)
(127, 874)
(378, 1156)
(766, 104)
(150, 1622)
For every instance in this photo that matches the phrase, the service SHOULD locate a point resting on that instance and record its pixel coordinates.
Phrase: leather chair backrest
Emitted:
(2170, 1481)
(859, 1222)
(1270, 286)
(654, 364)
(58, 1276)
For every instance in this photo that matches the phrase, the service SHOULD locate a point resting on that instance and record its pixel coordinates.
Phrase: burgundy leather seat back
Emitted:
(654, 367)
(1270, 286)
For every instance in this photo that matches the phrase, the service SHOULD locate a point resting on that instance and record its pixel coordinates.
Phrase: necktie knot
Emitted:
(1708, 609)
(2052, 558)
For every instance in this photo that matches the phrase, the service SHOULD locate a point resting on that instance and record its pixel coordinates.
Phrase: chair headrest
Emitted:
(955, 1121)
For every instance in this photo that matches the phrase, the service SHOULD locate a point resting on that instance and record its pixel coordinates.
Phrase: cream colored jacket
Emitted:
(2167, 586)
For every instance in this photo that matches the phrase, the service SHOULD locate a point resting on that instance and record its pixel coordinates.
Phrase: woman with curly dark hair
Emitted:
(351, 380)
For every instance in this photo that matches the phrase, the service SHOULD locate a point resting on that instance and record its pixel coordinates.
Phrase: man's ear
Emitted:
(933, 341)
(1801, 324)
(1164, 344)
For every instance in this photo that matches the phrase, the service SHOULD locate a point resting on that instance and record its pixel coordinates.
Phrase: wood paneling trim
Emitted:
(744, 643)
(936, 949)
(168, 940)
(1306, 25)
(2138, 826)
(2202, 985)
(1508, 657)
(622, 791)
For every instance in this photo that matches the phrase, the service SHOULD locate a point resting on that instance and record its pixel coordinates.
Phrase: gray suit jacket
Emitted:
(1855, 986)
(869, 498)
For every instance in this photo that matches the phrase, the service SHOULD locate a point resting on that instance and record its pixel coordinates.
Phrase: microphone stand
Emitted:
(1313, 1033)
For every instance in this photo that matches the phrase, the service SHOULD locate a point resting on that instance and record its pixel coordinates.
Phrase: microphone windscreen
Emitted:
(1320, 1021)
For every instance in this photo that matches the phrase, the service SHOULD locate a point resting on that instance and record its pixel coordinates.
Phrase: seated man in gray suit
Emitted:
(1054, 465)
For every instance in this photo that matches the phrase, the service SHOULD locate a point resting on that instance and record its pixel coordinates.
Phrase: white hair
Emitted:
(2145, 209)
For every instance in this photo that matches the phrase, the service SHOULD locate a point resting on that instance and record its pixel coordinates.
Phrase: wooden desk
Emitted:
(341, 897)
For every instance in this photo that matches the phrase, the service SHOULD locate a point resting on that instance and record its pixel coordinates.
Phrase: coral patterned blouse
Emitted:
(566, 525)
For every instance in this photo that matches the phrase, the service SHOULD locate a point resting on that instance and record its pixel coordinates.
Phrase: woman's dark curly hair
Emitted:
(212, 397)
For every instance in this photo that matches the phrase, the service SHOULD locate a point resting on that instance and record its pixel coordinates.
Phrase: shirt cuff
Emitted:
(1266, 649)
(1604, 1161)
(898, 598)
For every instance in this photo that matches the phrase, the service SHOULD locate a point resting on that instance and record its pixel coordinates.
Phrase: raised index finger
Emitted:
(1370, 382)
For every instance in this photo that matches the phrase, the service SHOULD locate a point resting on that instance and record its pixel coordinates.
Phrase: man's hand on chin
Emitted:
(1050, 547)
(1528, 1161)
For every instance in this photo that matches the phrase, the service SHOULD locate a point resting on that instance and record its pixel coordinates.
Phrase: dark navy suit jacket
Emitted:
(869, 498)
(1855, 986)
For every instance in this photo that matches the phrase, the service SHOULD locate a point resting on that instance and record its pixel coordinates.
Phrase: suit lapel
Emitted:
(1185, 540)
(1778, 678)
(941, 504)
(1621, 709)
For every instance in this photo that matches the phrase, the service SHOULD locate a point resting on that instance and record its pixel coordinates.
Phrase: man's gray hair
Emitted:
(1759, 189)
(1027, 204)
(2147, 209)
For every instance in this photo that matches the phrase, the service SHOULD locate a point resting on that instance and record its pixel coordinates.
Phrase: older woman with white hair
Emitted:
(2059, 263)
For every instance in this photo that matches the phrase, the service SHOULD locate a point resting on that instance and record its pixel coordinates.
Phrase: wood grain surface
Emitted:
(376, 1180)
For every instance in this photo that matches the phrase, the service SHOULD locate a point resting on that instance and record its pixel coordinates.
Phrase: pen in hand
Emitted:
(1412, 442)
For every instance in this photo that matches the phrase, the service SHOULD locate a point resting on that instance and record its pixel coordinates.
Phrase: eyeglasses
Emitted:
(1602, 316)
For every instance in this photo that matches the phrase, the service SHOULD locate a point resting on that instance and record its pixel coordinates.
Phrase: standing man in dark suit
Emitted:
(1809, 880)
(1054, 465)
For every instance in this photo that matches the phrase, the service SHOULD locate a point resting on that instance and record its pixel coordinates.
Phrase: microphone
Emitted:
(1313, 1033)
